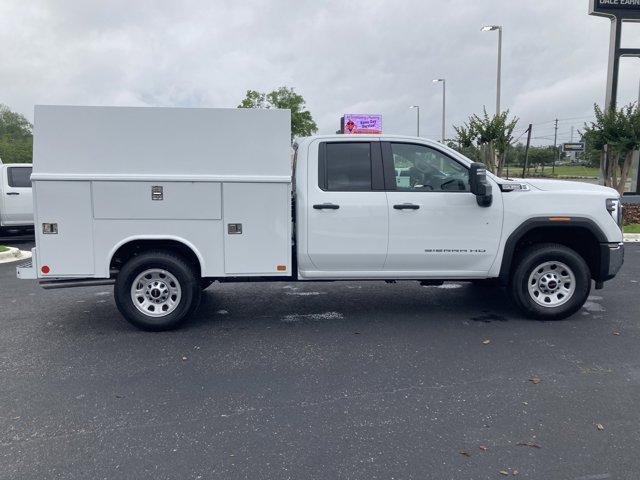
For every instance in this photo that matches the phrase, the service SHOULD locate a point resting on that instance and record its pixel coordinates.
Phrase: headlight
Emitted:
(614, 207)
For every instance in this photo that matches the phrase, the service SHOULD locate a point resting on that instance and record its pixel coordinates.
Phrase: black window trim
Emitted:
(375, 156)
(10, 178)
(390, 170)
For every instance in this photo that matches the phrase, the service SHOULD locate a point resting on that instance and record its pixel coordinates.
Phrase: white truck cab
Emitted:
(16, 200)
(162, 202)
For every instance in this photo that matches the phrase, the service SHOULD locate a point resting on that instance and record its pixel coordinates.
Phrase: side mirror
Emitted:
(479, 185)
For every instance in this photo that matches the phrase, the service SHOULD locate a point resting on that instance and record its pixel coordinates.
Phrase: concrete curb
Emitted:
(13, 255)
(631, 237)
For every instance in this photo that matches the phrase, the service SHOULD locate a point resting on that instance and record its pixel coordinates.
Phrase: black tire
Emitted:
(530, 260)
(183, 271)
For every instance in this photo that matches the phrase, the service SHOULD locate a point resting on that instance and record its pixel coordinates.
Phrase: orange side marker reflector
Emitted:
(45, 269)
(281, 268)
(559, 219)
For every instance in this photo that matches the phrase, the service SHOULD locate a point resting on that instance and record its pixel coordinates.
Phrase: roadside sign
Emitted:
(618, 12)
(625, 9)
(353, 124)
(573, 147)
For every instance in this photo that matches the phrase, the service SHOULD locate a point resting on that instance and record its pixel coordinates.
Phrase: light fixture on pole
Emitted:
(491, 28)
(444, 105)
(417, 107)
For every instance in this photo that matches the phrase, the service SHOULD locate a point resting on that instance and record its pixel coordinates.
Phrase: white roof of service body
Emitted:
(118, 142)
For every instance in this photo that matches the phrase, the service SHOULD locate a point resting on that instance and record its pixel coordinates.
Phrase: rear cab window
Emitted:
(350, 166)
(19, 177)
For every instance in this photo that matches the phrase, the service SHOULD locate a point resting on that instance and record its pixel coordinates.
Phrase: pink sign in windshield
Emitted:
(358, 124)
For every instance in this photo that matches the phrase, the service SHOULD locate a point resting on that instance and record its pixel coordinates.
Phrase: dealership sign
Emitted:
(618, 12)
(626, 9)
(573, 147)
(353, 124)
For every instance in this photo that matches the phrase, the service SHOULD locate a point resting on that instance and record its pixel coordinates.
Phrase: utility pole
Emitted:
(555, 147)
(526, 152)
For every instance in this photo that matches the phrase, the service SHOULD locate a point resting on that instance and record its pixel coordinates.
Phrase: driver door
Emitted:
(435, 224)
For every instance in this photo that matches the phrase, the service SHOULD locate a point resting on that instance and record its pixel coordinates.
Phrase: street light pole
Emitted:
(444, 106)
(417, 107)
(499, 87)
(491, 28)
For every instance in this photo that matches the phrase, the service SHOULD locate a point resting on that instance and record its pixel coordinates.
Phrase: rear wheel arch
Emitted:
(580, 234)
(131, 247)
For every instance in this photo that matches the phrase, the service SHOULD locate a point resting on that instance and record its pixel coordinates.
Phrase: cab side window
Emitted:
(19, 177)
(344, 167)
(420, 168)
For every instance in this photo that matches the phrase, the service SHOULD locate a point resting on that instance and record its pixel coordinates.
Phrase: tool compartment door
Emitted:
(69, 252)
(257, 228)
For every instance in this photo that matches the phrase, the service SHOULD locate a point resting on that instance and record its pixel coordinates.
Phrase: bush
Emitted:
(631, 214)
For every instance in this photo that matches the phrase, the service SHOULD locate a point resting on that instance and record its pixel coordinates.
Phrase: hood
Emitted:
(564, 186)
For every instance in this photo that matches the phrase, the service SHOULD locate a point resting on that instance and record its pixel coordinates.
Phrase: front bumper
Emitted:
(611, 260)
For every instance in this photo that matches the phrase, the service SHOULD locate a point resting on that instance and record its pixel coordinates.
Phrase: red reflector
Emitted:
(45, 269)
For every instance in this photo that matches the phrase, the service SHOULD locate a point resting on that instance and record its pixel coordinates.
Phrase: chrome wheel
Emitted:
(551, 284)
(156, 292)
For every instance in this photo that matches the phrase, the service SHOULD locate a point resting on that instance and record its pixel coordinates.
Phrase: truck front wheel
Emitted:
(157, 290)
(550, 282)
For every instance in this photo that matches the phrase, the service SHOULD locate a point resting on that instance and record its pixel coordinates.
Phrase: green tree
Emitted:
(302, 123)
(465, 143)
(16, 137)
(615, 134)
(490, 137)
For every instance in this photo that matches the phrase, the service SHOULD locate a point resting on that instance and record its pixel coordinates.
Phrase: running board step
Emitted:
(90, 282)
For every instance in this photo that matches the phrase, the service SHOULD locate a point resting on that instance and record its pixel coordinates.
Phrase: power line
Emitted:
(563, 120)
(542, 138)
(521, 135)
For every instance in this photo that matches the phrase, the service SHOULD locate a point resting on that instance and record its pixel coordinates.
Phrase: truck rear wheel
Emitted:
(550, 282)
(157, 290)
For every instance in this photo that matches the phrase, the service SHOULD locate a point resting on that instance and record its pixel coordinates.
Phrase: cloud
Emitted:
(373, 57)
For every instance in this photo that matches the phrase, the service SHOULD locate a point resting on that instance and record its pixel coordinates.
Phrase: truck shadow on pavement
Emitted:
(352, 302)
(267, 305)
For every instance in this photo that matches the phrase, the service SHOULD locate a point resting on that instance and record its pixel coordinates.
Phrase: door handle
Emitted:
(13, 193)
(406, 206)
(326, 206)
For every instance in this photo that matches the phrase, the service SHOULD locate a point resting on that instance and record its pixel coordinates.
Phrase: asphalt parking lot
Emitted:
(320, 381)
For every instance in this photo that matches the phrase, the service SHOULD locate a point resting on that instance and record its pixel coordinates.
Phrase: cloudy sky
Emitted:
(343, 57)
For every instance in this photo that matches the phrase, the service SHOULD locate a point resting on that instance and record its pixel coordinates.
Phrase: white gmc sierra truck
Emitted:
(16, 202)
(162, 202)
